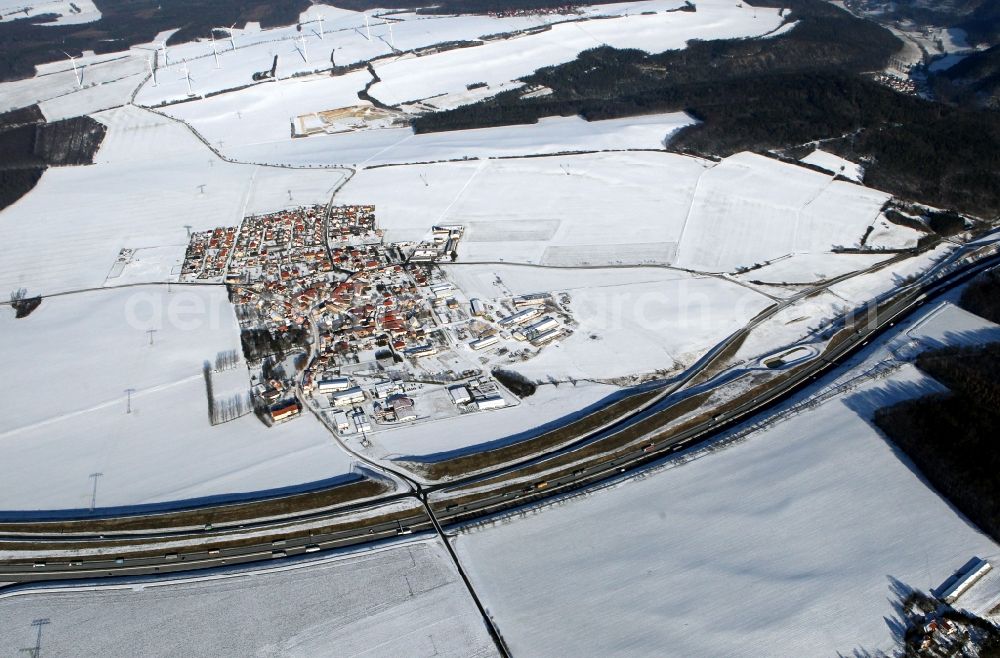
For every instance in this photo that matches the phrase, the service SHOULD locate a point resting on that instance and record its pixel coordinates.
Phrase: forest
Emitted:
(982, 296)
(28, 145)
(952, 437)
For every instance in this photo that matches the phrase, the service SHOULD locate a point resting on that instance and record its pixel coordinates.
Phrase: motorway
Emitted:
(436, 511)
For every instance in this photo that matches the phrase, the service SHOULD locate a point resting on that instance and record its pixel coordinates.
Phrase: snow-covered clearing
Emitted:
(76, 355)
(785, 544)
(943, 325)
(886, 235)
(835, 165)
(142, 193)
(749, 209)
(409, 79)
(404, 599)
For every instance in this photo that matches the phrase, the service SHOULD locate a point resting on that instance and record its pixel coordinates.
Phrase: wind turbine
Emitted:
(392, 40)
(215, 51)
(163, 49)
(152, 71)
(232, 35)
(76, 72)
(368, 29)
(187, 76)
(305, 55)
(321, 35)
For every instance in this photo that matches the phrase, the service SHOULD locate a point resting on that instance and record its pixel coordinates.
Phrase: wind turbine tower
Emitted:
(215, 51)
(163, 49)
(305, 54)
(152, 71)
(368, 29)
(232, 36)
(321, 34)
(76, 71)
(392, 40)
(187, 76)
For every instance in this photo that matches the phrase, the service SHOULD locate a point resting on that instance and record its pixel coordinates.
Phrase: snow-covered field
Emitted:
(405, 599)
(785, 544)
(107, 81)
(143, 192)
(557, 211)
(255, 126)
(750, 209)
(811, 268)
(565, 201)
(75, 356)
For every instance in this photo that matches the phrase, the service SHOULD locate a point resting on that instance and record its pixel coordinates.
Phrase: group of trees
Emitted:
(222, 410)
(227, 359)
(22, 304)
(517, 383)
(259, 343)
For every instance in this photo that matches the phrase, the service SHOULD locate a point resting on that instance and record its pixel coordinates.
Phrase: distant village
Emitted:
(364, 334)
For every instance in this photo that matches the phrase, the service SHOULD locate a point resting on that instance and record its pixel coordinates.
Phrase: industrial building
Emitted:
(490, 402)
(484, 342)
(334, 384)
(340, 421)
(346, 398)
(520, 317)
(459, 394)
(402, 409)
